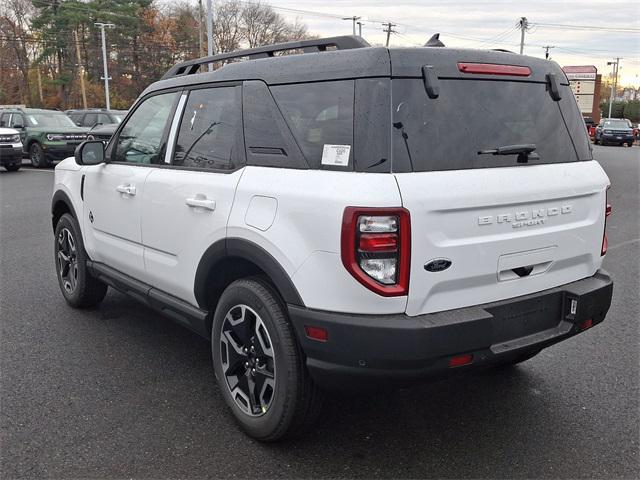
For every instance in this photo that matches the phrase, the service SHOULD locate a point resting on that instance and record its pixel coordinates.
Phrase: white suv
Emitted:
(346, 216)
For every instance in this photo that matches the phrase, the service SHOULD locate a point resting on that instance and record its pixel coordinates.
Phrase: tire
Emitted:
(14, 167)
(595, 140)
(37, 155)
(513, 361)
(260, 346)
(78, 287)
(629, 144)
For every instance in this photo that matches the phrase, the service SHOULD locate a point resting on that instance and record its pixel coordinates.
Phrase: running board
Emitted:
(193, 318)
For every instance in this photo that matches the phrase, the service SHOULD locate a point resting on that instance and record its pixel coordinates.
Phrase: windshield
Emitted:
(471, 116)
(50, 120)
(616, 124)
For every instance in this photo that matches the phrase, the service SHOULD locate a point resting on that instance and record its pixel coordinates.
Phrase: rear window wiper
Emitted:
(525, 152)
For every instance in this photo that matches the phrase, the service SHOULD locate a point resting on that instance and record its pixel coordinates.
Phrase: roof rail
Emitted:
(308, 46)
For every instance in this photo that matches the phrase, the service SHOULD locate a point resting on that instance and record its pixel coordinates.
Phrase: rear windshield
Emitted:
(470, 116)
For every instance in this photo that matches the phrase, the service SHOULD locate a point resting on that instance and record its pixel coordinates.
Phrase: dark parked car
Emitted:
(46, 135)
(92, 117)
(102, 132)
(614, 130)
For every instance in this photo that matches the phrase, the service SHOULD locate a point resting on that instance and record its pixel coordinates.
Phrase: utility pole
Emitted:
(360, 28)
(614, 85)
(210, 32)
(200, 39)
(102, 26)
(80, 71)
(546, 50)
(353, 19)
(389, 30)
(523, 25)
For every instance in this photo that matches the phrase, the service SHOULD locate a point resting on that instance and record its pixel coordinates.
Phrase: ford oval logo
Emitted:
(437, 265)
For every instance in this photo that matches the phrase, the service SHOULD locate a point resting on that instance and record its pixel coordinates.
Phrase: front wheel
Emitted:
(258, 363)
(78, 287)
(37, 155)
(595, 140)
(14, 167)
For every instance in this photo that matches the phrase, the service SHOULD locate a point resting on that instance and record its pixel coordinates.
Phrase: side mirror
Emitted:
(18, 126)
(90, 152)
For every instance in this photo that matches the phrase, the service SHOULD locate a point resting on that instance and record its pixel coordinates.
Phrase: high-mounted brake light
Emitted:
(607, 213)
(376, 248)
(494, 69)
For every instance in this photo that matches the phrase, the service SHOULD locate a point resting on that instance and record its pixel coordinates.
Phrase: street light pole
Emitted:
(353, 19)
(210, 32)
(614, 83)
(102, 26)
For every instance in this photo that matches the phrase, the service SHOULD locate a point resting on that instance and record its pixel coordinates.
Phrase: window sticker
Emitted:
(336, 155)
(33, 120)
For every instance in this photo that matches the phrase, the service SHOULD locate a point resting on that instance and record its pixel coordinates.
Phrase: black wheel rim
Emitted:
(248, 360)
(67, 260)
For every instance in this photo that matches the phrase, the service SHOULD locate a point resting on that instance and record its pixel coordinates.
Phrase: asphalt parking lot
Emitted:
(120, 392)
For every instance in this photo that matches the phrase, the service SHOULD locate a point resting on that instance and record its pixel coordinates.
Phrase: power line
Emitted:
(587, 27)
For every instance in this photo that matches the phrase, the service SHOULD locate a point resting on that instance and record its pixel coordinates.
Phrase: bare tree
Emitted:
(227, 29)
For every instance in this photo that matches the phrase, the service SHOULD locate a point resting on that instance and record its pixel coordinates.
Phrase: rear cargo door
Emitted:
(489, 227)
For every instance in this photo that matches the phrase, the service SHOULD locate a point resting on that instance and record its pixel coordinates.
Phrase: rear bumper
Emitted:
(398, 349)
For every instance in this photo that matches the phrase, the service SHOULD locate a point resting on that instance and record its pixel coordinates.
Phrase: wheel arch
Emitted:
(230, 259)
(61, 204)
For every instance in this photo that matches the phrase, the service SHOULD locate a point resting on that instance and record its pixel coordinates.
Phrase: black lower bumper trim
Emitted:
(403, 349)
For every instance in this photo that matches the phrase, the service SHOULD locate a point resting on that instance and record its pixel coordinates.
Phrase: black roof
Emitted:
(343, 58)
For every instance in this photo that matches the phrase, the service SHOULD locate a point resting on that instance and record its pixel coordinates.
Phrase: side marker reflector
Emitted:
(586, 324)
(460, 360)
(316, 333)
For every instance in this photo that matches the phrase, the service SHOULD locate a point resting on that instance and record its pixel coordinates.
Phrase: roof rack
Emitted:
(308, 46)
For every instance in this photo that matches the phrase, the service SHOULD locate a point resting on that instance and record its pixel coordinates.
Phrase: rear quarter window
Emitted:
(319, 114)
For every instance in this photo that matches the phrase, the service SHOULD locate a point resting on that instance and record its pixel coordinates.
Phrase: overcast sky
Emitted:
(491, 24)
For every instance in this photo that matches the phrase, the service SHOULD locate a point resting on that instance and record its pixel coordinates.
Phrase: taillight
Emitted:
(376, 248)
(607, 214)
(494, 69)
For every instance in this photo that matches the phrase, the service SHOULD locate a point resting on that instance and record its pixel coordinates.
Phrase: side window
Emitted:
(104, 119)
(320, 114)
(17, 121)
(267, 138)
(210, 133)
(90, 119)
(140, 140)
(75, 117)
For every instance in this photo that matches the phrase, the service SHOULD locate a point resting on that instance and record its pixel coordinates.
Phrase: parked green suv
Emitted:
(46, 135)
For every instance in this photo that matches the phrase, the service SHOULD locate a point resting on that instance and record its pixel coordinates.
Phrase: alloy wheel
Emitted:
(248, 360)
(67, 260)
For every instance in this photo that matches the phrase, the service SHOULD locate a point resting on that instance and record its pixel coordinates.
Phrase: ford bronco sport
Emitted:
(324, 221)
(46, 135)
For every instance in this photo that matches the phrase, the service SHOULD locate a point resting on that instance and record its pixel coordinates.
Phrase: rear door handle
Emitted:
(127, 189)
(200, 201)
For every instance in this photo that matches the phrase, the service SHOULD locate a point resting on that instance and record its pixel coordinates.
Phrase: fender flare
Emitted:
(61, 197)
(247, 250)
